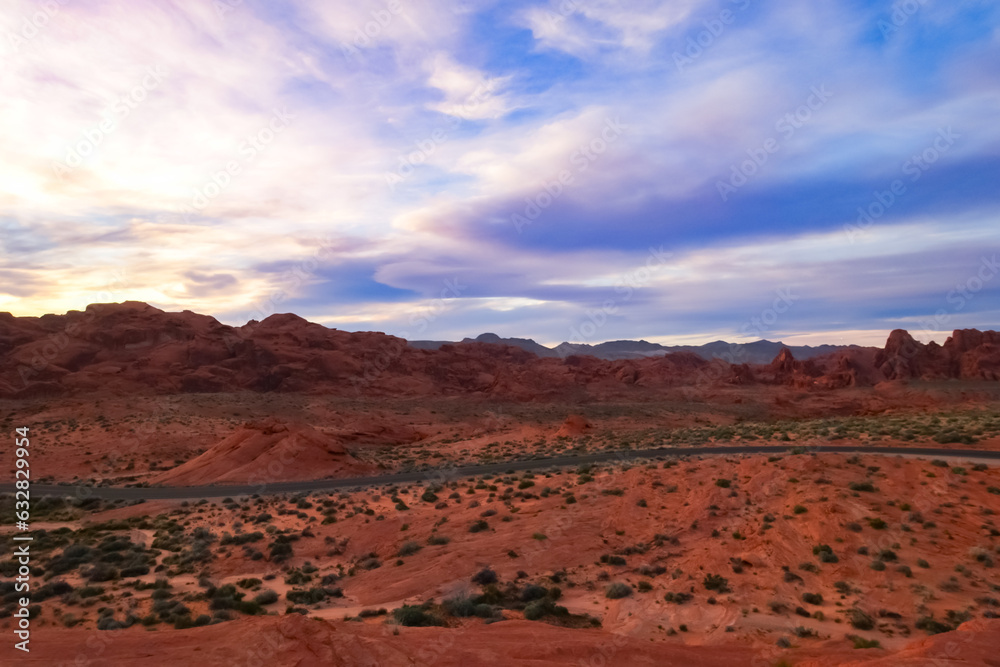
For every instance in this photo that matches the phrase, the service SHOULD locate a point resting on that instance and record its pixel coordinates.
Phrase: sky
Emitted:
(677, 171)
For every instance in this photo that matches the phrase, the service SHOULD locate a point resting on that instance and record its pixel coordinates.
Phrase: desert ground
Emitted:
(790, 557)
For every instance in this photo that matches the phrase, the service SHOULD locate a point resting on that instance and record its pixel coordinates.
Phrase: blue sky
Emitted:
(567, 170)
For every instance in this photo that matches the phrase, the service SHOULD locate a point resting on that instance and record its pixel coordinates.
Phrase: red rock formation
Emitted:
(133, 347)
(265, 451)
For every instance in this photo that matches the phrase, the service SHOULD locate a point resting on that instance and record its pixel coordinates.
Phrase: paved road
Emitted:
(447, 474)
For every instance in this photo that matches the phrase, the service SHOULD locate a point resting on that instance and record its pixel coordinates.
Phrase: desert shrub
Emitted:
(183, 623)
(280, 550)
(370, 563)
(533, 592)
(812, 598)
(438, 540)
(821, 549)
(242, 538)
(677, 598)
(543, 607)
(108, 622)
(409, 548)
(617, 590)
(716, 582)
(51, 589)
(310, 596)
(861, 642)
(460, 606)
(800, 509)
(485, 577)
(932, 626)
(100, 572)
(861, 486)
(414, 616)
(478, 526)
(266, 597)
(860, 620)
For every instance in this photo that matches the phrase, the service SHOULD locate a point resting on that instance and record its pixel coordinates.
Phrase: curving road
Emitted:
(447, 474)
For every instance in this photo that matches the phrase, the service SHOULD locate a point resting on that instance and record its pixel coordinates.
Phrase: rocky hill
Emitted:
(134, 347)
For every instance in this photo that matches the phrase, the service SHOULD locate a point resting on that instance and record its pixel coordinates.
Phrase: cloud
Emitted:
(584, 29)
(467, 93)
(348, 160)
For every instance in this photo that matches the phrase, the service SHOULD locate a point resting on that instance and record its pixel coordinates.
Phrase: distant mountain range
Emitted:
(758, 352)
